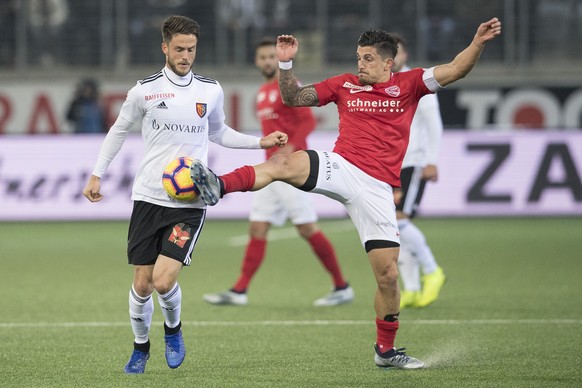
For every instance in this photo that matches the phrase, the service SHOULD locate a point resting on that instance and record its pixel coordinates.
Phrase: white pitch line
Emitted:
(19, 325)
(290, 232)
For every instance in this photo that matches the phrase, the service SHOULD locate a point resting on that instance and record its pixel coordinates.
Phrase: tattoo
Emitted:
(293, 94)
(307, 96)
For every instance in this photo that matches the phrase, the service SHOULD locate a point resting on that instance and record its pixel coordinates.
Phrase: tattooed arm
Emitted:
(291, 93)
(294, 95)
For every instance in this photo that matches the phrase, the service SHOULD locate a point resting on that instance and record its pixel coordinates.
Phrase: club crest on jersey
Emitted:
(392, 91)
(201, 109)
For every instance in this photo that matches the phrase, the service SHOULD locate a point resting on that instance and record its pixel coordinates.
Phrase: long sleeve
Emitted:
(129, 114)
(433, 124)
(225, 136)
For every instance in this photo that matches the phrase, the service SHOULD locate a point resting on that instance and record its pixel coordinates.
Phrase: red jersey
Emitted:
(374, 120)
(297, 123)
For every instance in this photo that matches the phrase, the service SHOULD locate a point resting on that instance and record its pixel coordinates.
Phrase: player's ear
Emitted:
(165, 48)
(389, 64)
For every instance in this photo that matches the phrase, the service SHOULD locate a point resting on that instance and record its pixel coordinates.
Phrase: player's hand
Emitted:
(398, 195)
(91, 190)
(430, 173)
(274, 139)
(286, 48)
(487, 31)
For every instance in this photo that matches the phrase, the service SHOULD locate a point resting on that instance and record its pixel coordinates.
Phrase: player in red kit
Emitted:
(279, 201)
(375, 109)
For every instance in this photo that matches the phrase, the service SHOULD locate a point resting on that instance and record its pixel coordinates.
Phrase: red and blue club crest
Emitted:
(201, 109)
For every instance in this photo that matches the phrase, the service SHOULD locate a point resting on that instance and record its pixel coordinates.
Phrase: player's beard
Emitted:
(177, 70)
(363, 80)
(269, 73)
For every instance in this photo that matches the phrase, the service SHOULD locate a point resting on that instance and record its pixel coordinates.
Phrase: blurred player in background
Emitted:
(418, 167)
(376, 108)
(163, 232)
(279, 201)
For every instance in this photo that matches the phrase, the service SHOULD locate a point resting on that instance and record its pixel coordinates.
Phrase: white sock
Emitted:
(411, 238)
(409, 271)
(171, 304)
(141, 310)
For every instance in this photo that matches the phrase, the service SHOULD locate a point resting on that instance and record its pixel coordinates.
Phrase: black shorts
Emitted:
(157, 230)
(412, 186)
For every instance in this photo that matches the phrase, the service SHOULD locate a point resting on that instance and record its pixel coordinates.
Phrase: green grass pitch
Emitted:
(510, 314)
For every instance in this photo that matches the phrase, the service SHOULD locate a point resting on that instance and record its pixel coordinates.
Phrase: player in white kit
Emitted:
(418, 167)
(179, 112)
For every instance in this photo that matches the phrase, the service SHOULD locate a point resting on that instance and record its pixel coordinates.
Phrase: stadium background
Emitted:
(508, 315)
(528, 78)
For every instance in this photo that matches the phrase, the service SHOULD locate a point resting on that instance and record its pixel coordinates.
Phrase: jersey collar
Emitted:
(176, 79)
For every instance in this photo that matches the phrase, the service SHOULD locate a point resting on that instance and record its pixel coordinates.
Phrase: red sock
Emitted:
(241, 179)
(326, 254)
(254, 256)
(385, 334)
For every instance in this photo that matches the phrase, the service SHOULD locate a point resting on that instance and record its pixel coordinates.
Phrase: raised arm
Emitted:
(466, 59)
(291, 93)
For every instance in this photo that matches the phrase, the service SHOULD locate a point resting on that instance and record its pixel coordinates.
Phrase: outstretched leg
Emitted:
(292, 168)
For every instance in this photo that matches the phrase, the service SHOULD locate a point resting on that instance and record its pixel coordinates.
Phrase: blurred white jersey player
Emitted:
(419, 166)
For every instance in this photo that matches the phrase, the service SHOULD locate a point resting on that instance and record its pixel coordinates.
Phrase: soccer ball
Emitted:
(177, 181)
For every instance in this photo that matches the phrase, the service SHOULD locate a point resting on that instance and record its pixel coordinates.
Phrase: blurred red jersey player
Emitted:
(274, 204)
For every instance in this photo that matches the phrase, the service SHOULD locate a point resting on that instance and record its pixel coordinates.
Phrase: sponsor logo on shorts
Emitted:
(327, 167)
(180, 235)
(386, 224)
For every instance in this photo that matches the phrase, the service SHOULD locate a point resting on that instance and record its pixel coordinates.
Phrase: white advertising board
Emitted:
(480, 174)
(41, 178)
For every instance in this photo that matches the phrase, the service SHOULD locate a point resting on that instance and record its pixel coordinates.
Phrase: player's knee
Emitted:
(163, 285)
(279, 165)
(259, 230)
(143, 288)
(391, 277)
(307, 230)
(388, 276)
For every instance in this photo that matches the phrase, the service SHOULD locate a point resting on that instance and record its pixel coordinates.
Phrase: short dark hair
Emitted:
(400, 40)
(383, 41)
(266, 41)
(179, 25)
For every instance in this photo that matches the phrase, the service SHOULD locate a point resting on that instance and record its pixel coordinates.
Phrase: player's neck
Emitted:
(387, 78)
(177, 79)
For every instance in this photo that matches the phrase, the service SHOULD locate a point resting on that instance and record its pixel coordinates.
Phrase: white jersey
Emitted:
(178, 116)
(426, 132)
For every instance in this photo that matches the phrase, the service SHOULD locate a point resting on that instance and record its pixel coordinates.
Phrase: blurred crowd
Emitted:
(119, 32)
